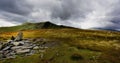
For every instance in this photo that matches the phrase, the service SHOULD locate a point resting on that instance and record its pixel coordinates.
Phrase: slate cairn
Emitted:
(17, 46)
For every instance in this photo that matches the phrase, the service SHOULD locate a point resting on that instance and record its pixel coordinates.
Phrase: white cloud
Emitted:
(99, 16)
(82, 14)
(77, 13)
(5, 23)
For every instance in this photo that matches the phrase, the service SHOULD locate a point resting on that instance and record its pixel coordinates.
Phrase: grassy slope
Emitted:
(32, 26)
(93, 46)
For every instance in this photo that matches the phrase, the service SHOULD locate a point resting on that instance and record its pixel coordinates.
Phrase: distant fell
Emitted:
(33, 26)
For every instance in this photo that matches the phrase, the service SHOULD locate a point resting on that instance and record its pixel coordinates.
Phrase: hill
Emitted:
(107, 29)
(33, 26)
(73, 45)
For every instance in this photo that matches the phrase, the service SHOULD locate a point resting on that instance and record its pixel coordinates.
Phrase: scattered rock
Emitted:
(36, 47)
(15, 43)
(12, 48)
(18, 45)
(6, 48)
(21, 51)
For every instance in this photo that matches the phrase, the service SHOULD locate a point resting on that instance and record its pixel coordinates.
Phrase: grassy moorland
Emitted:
(32, 26)
(76, 46)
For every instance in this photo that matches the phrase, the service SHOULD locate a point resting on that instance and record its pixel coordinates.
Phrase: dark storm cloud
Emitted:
(65, 11)
(12, 17)
(77, 13)
(14, 6)
(14, 11)
(70, 9)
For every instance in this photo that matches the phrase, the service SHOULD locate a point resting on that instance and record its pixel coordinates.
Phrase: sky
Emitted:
(85, 14)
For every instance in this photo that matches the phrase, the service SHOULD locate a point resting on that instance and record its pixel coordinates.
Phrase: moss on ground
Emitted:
(90, 45)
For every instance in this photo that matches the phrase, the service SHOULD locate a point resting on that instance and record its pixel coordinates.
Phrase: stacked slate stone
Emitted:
(19, 36)
(17, 46)
(23, 47)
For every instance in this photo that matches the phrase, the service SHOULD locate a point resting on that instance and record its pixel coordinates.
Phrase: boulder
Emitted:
(9, 41)
(21, 51)
(21, 43)
(11, 57)
(6, 48)
(16, 47)
(15, 43)
(21, 47)
(26, 47)
(18, 43)
(36, 47)
(19, 36)
(31, 52)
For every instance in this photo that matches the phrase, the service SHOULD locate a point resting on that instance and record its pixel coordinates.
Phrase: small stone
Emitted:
(36, 47)
(9, 41)
(6, 48)
(42, 51)
(31, 52)
(27, 41)
(45, 47)
(17, 43)
(11, 57)
(12, 38)
(16, 47)
(41, 55)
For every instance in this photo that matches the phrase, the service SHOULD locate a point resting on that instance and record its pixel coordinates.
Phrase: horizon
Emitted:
(37, 22)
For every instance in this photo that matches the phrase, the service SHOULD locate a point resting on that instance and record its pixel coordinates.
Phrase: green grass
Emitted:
(93, 46)
(60, 54)
(32, 26)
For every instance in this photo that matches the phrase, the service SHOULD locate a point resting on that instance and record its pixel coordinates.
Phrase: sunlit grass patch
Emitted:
(88, 46)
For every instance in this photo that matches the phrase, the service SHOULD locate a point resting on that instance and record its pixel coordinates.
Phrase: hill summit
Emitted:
(33, 26)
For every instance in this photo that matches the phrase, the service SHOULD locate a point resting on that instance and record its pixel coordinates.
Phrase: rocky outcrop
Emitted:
(17, 46)
(13, 48)
(24, 47)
